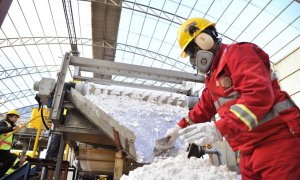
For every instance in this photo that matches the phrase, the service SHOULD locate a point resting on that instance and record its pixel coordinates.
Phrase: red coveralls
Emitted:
(256, 117)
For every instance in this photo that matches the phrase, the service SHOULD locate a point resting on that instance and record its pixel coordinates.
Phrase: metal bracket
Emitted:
(98, 66)
(58, 96)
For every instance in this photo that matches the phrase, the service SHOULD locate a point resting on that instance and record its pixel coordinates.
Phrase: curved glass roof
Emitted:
(34, 36)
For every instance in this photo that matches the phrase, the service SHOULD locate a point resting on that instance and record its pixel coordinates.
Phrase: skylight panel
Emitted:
(147, 61)
(170, 6)
(171, 35)
(11, 54)
(149, 26)
(132, 39)
(10, 84)
(125, 19)
(183, 11)
(42, 11)
(242, 21)
(141, 1)
(59, 18)
(21, 83)
(165, 49)
(5, 63)
(278, 50)
(137, 22)
(10, 105)
(158, 4)
(36, 55)
(138, 59)
(25, 57)
(161, 30)
(8, 29)
(144, 42)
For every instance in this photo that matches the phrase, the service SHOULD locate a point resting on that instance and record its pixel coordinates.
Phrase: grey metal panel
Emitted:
(131, 70)
(57, 100)
(78, 128)
(77, 120)
(105, 25)
(85, 136)
(103, 121)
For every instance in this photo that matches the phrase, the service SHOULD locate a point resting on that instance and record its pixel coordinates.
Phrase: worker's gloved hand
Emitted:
(201, 134)
(173, 134)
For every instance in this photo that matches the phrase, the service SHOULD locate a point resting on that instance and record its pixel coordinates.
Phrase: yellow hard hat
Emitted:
(189, 30)
(13, 112)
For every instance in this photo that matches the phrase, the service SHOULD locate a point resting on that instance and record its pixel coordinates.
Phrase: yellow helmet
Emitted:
(186, 34)
(13, 112)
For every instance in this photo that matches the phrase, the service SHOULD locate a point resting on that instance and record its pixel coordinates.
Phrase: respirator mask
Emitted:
(202, 61)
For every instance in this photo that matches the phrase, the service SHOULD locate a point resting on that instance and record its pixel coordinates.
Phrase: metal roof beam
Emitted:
(15, 95)
(151, 73)
(10, 73)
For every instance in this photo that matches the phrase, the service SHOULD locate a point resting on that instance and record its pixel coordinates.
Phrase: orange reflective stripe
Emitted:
(5, 142)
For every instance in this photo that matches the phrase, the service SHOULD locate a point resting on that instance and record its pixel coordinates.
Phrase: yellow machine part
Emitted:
(19, 152)
(36, 115)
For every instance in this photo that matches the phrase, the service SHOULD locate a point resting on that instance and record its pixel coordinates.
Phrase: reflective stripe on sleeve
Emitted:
(245, 115)
(277, 108)
(188, 120)
(232, 96)
(251, 122)
(216, 104)
(222, 100)
(6, 142)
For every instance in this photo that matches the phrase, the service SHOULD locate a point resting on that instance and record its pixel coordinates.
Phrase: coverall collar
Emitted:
(218, 56)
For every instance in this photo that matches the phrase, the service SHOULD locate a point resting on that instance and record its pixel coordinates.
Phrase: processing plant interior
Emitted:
(149, 89)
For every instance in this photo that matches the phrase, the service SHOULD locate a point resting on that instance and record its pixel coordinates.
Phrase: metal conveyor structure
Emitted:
(102, 143)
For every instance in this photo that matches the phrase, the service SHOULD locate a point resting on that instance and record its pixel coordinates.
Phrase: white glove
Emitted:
(201, 134)
(173, 133)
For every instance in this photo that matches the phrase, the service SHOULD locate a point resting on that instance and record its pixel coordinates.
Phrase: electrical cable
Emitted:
(43, 120)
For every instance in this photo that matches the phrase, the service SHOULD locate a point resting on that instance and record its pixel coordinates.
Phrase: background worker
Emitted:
(7, 125)
(19, 163)
(256, 117)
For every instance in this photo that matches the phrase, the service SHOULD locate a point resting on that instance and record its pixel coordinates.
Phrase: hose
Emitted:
(38, 99)
(43, 120)
(217, 152)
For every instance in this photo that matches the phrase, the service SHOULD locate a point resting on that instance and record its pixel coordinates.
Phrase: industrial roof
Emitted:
(35, 35)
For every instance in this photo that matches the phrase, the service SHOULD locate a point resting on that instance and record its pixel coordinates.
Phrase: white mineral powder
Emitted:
(180, 167)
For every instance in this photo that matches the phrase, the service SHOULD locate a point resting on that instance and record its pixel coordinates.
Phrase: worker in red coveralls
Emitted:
(257, 118)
